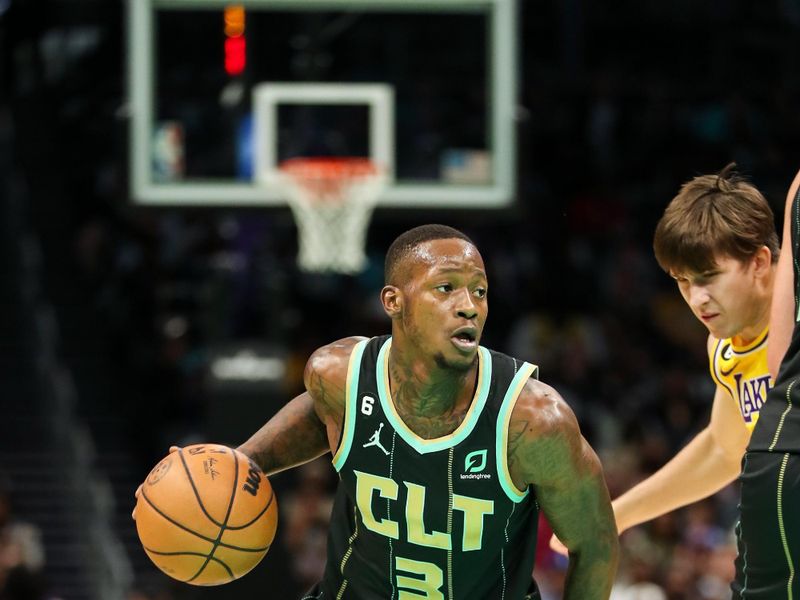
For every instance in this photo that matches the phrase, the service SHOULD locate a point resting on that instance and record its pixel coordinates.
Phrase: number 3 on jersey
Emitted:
(366, 405)
(428, 587)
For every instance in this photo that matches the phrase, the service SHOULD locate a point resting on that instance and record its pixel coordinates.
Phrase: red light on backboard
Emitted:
(235, 55)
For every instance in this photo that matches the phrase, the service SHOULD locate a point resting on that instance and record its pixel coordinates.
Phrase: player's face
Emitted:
(725, 299)
(445, 302)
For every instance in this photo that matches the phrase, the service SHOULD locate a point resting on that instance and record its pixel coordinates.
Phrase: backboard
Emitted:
(221, 93)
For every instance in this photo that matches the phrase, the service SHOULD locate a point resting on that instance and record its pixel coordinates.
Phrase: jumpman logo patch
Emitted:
(375, 440)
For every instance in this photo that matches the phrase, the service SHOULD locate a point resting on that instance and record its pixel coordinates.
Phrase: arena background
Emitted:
(113, 312)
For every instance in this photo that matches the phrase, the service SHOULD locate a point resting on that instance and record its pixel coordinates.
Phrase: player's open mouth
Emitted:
(465, 338)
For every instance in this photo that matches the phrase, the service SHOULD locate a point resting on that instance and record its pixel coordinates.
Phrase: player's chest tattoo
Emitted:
(432, 427)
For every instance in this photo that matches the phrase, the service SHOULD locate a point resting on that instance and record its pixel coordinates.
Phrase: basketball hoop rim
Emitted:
(329, 168)
(332, 199)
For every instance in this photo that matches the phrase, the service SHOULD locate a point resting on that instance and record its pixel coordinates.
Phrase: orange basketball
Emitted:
(206, 514)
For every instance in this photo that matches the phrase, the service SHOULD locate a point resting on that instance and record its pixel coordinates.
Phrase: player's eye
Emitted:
(704, 278)
(444, 288)
(480, 292)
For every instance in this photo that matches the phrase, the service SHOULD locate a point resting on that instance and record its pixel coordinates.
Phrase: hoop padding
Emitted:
(332, 200)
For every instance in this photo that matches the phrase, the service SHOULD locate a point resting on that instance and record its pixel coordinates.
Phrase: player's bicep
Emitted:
(325, 378)
(547, 450)
(727, 426)
(295, 435)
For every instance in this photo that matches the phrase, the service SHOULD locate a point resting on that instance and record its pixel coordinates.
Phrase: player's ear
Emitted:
(392, 300)
(762, 261)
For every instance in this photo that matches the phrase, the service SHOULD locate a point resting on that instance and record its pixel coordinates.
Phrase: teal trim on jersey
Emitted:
(783, 416)
(501, 438)
(782, 529)
(419, 444)
(351, 405)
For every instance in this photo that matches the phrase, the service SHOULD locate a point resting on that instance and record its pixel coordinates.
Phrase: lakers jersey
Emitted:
(436, 519)
(743, 372)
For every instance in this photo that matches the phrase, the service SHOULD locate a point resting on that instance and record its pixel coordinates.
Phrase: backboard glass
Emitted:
(425, 88)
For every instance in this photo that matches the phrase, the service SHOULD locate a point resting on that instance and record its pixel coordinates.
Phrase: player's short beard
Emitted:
(443, 363)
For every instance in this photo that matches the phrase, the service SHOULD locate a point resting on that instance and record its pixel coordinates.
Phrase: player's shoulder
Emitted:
(542, 412)
(331, 360)
(543, 433)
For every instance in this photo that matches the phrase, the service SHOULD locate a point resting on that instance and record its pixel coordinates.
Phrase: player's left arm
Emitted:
(546, 450)
(782, 315)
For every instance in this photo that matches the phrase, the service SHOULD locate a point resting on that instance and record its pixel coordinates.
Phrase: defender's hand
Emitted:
(557, 546)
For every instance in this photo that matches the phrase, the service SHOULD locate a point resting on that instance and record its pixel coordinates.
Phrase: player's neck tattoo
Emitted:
(431, 407)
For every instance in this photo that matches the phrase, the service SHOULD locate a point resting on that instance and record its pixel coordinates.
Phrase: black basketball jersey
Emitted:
(436, 519)
(778, 429)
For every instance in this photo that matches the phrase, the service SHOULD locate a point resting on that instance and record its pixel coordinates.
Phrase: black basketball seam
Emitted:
(200, 535)
(226, 567)
(257, 517)
(227, 516)
(194, 488)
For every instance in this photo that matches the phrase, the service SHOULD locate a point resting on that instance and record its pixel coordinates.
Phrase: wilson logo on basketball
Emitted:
(253, 481)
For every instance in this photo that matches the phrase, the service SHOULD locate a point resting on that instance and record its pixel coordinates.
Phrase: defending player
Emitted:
(445, 450)
(768, 534)
(717, 240)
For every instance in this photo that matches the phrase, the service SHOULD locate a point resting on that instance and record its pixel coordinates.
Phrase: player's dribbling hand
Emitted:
(139, 489)
(557, 546)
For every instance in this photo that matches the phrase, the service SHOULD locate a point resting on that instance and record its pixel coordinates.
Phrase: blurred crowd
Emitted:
(22, 556)
(610, 123)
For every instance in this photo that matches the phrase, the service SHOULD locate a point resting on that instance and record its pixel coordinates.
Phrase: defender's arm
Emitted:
(704, 466)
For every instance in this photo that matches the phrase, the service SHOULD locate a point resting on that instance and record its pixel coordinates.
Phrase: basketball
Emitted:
(206, 514)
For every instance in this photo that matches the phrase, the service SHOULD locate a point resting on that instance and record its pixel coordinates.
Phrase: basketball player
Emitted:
(445, 450)
(768, 535)
(717, 240)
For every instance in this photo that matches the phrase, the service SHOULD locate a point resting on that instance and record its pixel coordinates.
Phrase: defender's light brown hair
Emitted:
(714, 215)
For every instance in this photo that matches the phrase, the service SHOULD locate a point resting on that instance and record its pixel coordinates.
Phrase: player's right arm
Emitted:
(704, 466)
(546, 450)
(782, 315)
(310, 424)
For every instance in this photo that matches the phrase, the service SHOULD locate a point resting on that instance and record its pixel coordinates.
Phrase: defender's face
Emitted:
(445, 304)
(724, 298)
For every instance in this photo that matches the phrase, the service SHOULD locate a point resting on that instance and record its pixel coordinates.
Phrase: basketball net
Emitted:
(332, 200)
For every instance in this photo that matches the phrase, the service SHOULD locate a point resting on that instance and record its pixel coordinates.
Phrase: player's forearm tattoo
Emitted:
(292, 437)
